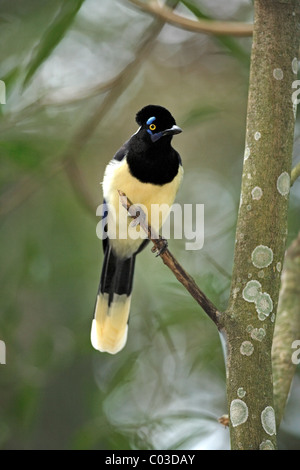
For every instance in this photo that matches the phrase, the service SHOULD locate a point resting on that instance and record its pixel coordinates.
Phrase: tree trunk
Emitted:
(262, 225)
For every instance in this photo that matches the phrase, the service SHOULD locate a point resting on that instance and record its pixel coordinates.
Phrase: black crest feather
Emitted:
(163, 116)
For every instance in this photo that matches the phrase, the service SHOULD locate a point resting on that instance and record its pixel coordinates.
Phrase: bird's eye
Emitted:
(152, 127)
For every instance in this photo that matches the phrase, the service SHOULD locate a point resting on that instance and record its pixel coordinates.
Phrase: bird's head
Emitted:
(157, 121)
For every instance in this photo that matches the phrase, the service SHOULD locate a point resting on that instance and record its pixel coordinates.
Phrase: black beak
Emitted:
(172, 131)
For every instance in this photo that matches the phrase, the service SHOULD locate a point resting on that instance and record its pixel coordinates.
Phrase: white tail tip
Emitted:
(110, 323)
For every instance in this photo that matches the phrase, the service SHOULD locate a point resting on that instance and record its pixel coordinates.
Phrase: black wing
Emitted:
(121, 153)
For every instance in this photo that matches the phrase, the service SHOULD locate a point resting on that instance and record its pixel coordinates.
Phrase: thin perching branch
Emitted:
(160, 246)
(220, 28)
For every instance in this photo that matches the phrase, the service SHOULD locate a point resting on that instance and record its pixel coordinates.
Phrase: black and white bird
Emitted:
(149, 171)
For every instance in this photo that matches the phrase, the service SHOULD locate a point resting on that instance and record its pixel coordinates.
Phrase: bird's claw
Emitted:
(160, 246)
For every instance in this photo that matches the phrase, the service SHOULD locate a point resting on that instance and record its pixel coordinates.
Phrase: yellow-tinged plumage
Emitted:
(109, 327)
(156, 199)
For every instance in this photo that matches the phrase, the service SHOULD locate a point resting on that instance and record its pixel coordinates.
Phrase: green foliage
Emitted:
(197, 115)
(53, 35)
(23, 153)
(167, 387)
(228, 43)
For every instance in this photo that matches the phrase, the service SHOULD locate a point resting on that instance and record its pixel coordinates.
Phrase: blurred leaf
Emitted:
(25, 404)
(21, 152)
(195, 9)
(231, 44)
(53, 35)
(237, 51)
(125, 370)
(201, 113)
(10, 78)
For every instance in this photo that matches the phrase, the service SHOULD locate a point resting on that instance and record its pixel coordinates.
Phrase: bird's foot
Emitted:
(160, 246)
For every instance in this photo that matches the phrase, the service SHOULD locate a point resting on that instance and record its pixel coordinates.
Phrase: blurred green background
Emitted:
(76, 72)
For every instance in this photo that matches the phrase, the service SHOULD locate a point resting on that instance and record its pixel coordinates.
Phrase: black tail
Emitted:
(109, 327)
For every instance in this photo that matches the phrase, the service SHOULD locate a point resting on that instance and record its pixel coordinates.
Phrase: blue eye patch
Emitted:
(150, 120)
